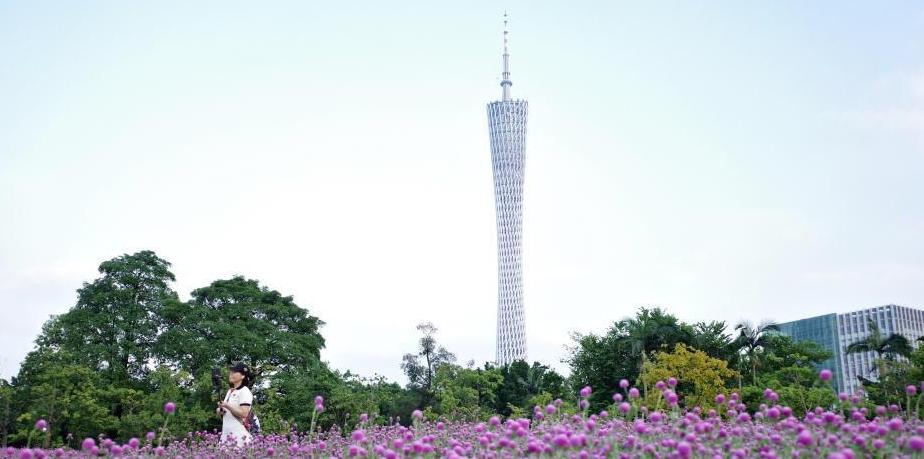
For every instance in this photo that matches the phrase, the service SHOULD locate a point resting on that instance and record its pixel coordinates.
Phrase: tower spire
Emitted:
(505, 76)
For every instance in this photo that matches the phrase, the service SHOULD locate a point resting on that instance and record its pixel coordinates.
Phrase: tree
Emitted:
(465, 393)
(522, 382)
(652, 329)
(601, 361)
(116, 321)
(785, 353)
(884, 346)
(6, 398)
(69, 396)
(421, 368)
(237, 319)
(752, 340)
(710, 337)
(700, 377)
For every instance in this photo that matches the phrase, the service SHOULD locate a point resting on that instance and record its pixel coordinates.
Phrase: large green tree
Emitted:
(238, 319)
(117, 319)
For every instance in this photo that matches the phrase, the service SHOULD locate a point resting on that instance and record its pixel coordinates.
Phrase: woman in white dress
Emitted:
(235, 408)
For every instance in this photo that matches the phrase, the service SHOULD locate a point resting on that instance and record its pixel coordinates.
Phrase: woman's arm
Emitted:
(240, 412)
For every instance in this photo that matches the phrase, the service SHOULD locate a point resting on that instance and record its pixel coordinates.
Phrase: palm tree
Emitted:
(753, 338)
(884, 346)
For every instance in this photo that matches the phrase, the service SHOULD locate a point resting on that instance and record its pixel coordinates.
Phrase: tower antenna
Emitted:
(505, 76)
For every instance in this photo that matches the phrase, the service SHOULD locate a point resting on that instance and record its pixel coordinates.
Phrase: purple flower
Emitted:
(134, 442)
(825, 375)
(270, 451)
(25, 453)
(151, 436)
(585, 392)
(634, 393)
(916, 443)
(672, 381)
(720, 399)
(684, 449)
(617, 397)
(911, 389)
(895, 424)
(417, 414)
(624, 407)
(358, 436)
(169, 407)
(624, 383)
(550, 409)
(804, 438)
(41, 424)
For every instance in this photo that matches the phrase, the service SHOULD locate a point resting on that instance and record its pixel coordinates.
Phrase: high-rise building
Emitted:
(835, 332)
(507, 131)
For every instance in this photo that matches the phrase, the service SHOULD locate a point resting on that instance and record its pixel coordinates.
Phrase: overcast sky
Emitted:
(728, 161)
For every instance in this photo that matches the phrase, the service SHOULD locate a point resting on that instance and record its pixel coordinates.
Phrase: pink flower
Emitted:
(41, 424)
(624, 383)
(169, 407)
(585, 392)
(825, 375)
(911, 389)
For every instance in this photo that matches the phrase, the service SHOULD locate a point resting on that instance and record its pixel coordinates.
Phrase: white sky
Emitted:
(724, 161)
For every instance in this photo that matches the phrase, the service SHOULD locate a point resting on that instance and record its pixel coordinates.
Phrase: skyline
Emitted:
(722, 161)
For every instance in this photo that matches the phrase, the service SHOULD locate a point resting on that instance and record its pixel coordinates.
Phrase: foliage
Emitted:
(465, 393)
(620, 353)
(421, 367)
(114, 325)
(888, 347)
(238, 319)
(702, 377)
(522, 383)
(753, 341)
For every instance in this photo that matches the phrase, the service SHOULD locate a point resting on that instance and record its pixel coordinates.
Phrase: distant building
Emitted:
(835, 332)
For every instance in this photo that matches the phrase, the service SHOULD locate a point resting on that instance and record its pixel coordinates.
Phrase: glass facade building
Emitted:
(837, 331)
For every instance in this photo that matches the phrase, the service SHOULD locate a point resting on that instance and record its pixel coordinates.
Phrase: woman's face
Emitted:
(235, 378)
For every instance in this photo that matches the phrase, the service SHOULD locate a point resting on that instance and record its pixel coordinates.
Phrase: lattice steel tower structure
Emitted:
(507, 129)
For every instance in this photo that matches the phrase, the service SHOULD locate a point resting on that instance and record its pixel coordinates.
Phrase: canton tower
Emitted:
(507, 131)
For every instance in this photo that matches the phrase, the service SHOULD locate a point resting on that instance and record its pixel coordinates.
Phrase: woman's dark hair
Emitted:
(243, 369)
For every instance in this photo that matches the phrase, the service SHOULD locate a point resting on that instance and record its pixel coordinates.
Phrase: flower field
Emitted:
(847, 430)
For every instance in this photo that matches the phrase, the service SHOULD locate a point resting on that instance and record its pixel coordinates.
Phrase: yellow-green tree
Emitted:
(700, 377)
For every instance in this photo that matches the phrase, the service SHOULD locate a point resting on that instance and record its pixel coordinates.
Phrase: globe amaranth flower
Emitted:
(825, 375)
(916, 443)
(169, 407)
(41, 424)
